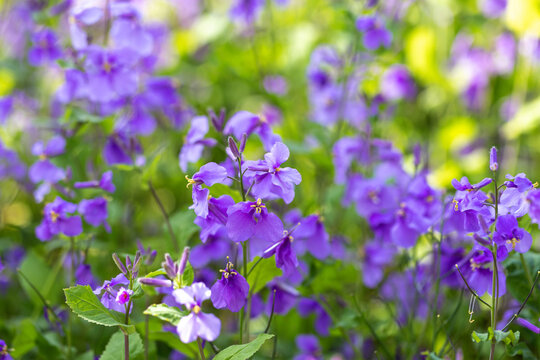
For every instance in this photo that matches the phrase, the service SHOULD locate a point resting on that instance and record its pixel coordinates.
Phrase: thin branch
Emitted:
(471, 290)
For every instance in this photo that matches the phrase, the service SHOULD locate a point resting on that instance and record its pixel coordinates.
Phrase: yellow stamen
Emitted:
(42, 157)
(474, 265)
(513, 241)
(429, 198)
(54, 216)
(190, 181)
(196, 309)
(258, 206)
(456, 205)
(107, 66)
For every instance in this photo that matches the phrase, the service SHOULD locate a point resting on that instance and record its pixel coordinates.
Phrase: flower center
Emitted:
(190, 181)
(429, 198)
(42, 157)
(54, 216)
(372, 194)
(107, 66)
(228, 271)
(513, 241)
(474, 265)
(258, 206)
(196, 309)
(456, 205)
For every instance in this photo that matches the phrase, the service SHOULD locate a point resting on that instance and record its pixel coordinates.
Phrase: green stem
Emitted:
(201, 350)
(165, 215)
(495, 282)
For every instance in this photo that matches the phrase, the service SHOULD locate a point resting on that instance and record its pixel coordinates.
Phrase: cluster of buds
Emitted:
(173, 270)
(131, 269)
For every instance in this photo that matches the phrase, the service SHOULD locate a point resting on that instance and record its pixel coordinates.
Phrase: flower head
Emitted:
(123, 296)
(195, 142)
(56, 220)
(231, 290)
(208, 175)
(196, 324)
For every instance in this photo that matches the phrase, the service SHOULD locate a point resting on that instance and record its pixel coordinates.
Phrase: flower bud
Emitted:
(156, 282)
(493, 164)
(150, 259)
(183, 261)
(128, 263)
(234, 148)
(119, 264)
(243, 143)
(168, 266)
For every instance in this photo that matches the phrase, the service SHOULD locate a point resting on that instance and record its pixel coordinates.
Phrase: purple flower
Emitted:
(375, 34)
(271, 180)
(121, 148)
(479, 273)
(10, 164)
(377, 256)
(84, 276)
(251, 219)
(309, 347)
(244, 122)
(310, 236)
(110, 74)
(6, 106)
(285, 256)
(397, 84)
(346, 151)
(208, 175)
(216, 219)
(74, 88)
(44, 169)
(105, 183)
(504, 54)
(123, 296)
(4, 354)
(246, 11)
(197, 324)
(492, 8)
(231, 290)
(195, 142)
(57, 221)
(509, 234)
(285, 297)
(109, 292)
(215, 247)
(45, 48)
(275, 85)
(323, 321)
(95, 212)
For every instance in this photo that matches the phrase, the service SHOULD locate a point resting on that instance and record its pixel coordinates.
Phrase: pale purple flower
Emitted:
(397, 84)
(208, 175)
(104, 183)
(45, 48)
(197, 324)
(95, 212)
(109, 292)
(56, 220)
(195, 142)
(271, 180)
(374, 33)
(44, 169)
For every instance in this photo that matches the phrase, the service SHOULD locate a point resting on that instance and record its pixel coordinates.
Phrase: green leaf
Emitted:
(172, 340)
(166, 313)
(138, 291)
(516, 280)
(115, 348)
(156, 273)
(152, 169)
(479, 337)
(25, 339)
(244, 351)
(218, 190)
(508, 337)
(85, 303)
(521, 349)
(263, 273)
(188, 276)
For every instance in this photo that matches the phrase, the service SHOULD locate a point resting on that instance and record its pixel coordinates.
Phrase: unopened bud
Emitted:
(119, 264)
(493, 164)
(183, 261)
(243, 143)
(156, 282)
(234, 148)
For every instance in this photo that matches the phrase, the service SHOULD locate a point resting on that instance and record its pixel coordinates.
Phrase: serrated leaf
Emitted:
(244, 351)
(138, 291)
(115, 348)
(262, 274)
(85, 303)
(479, 337)
(166, 313)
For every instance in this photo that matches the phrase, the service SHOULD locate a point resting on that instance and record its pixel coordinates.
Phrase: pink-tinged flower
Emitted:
(197, 324)
(251, 219)
(271, 180)
(208, 175)
(56, 220)
(195, 142)
(109, 293)
(123, 296)
(231, 290)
